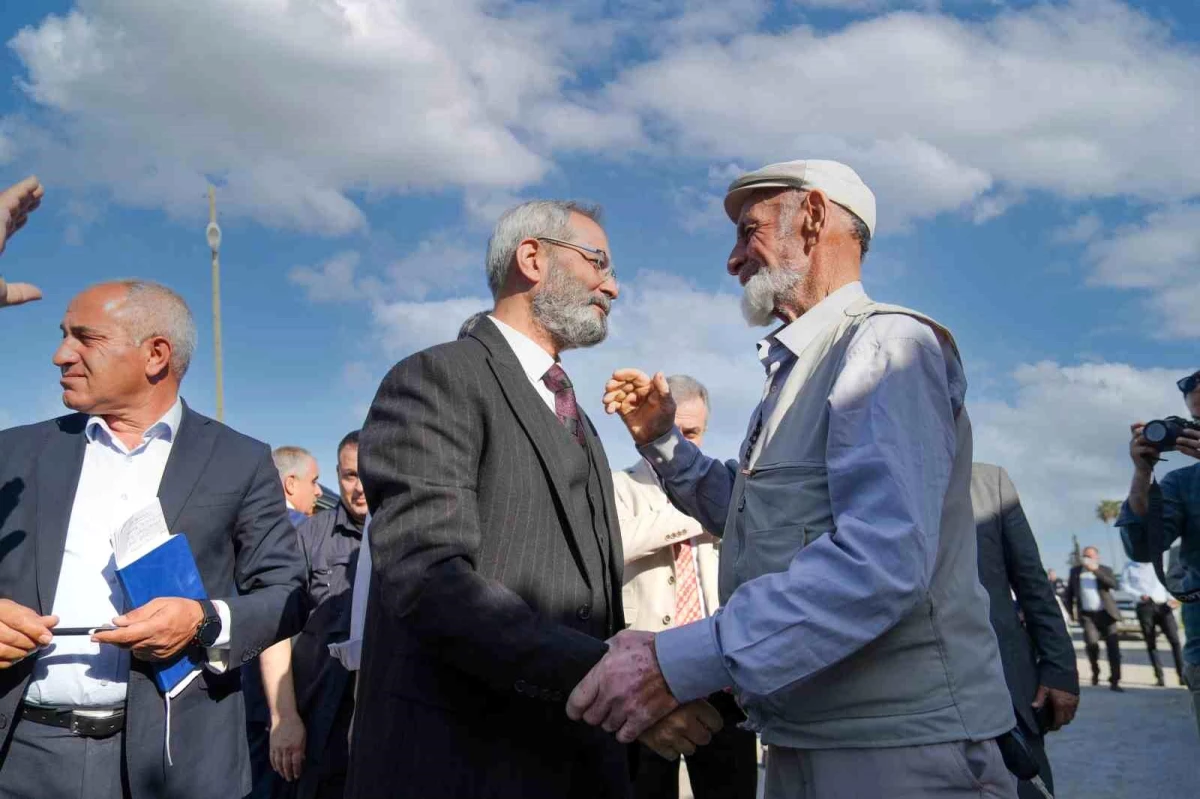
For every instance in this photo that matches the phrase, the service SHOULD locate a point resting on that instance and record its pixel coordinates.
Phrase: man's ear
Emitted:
(289, 485)
(158, 361)
(531, 261)
(815, 207)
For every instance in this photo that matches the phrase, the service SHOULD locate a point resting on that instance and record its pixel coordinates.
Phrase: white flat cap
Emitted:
(839, 182)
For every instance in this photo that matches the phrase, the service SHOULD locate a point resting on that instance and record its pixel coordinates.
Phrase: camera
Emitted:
(1162, 433)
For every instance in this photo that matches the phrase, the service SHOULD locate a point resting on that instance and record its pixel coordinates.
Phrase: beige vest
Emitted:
(934, 677)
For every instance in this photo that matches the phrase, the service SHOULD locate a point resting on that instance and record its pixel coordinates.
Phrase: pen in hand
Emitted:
(81, 630)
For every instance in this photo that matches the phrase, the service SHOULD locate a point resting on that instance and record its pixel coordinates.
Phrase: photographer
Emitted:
(1180, 519)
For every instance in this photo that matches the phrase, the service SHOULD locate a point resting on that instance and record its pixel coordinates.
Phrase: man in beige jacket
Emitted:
(671, 578)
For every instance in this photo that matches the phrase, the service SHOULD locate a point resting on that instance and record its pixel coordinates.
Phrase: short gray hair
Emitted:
(151, 309)
(290, 461)
(685, 388)
(531, 220)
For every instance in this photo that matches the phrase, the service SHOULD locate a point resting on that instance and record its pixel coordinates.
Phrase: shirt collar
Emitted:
(166, 428)
(344, 520)
(795, 336)
(534, 360)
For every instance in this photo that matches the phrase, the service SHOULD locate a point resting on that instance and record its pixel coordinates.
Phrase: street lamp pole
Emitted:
(213, 234)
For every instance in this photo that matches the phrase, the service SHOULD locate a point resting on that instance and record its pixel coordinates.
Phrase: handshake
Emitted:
(626, 694)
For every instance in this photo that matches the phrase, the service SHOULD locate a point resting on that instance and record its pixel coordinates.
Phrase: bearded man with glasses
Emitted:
(1180, 519)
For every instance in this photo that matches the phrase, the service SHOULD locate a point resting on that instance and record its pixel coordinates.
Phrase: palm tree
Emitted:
(1107, 511)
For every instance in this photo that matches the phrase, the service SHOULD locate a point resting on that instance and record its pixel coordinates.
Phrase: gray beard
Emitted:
(563, 307)
(766, 291)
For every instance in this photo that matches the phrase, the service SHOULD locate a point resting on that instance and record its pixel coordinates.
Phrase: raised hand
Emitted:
(644, 403)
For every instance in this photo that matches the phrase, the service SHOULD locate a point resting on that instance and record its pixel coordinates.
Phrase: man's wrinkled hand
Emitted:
(644, 403)
(158, 630)
(625, 693)
(288, 739)
(22, 631)
(682, 731)
(1063, 705)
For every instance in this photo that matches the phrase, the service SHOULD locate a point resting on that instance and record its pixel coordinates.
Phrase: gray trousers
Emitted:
(45, 762)
(948, 771)
(1191, 676)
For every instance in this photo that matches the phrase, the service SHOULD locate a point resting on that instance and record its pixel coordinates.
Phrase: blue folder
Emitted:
(167, 571)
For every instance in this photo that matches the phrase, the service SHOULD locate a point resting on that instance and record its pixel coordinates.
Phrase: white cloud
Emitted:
(1161, 255)
(1082, 99)
(441, 262)
(294, 106)
(1081, 231)
(1064, 439)
(335, 280)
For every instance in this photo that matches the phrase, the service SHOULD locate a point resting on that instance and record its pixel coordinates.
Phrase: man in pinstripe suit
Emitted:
(497, 557)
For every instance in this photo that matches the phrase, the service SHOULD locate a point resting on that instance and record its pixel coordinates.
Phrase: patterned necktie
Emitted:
(687, 586)
(565, 407)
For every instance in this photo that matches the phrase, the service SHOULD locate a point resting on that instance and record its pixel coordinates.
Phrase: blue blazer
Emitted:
(220, 489)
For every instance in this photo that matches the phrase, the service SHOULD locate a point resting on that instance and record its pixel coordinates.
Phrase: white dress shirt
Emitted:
(114, 482)
(534, 360)
(886, 493)
(1140, 580)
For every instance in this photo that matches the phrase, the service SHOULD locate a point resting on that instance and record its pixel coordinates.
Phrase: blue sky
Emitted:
(1034, 162)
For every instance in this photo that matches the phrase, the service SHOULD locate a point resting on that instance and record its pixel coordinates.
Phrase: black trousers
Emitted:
(1152, 616)
(1037, 748)
(727, 768)
(1096, 625)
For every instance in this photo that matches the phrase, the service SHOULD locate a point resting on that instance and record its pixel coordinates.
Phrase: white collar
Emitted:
(166, 428)
(533, 359)
(796, 335)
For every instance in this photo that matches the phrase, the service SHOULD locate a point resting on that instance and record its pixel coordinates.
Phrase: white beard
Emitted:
(764, 291)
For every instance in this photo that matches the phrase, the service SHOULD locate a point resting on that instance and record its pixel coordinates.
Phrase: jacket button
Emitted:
(671, 580)
(3, 721)
(519, 686)
(584, 613)
(666, 619)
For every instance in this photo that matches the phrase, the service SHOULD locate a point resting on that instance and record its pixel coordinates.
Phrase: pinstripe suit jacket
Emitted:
(487, 603)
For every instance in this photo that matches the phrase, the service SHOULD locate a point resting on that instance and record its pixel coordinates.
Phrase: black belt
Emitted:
(86, 722)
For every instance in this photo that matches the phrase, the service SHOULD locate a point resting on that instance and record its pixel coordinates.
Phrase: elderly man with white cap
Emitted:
(853, 628)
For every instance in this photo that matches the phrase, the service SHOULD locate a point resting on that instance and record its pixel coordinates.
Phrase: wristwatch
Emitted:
(209, 627)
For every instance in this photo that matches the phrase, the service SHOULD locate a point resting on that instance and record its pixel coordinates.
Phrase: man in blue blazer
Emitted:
(80, 715)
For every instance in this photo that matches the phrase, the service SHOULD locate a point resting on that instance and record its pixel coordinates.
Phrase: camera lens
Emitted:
(1155, 432)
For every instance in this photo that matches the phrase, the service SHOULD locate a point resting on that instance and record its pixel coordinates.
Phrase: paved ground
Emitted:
(1141, 743)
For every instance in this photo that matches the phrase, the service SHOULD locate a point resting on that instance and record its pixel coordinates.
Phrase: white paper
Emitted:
(142, 532)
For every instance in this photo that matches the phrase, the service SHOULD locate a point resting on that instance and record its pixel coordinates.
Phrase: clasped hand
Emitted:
(626, 694)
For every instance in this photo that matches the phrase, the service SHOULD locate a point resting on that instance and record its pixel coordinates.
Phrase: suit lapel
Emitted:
(537, 422)
(189, 456)
(58, 469)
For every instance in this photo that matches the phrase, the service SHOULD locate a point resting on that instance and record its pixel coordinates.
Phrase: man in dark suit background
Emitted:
(494, 541)
(1090, 602)
(80, 717)
(1038, 656)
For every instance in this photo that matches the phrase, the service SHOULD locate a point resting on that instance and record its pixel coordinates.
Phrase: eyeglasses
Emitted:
(1188, 384)
(596, 257)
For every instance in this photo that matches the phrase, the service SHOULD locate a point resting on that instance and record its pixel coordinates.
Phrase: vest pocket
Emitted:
(770, 551)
